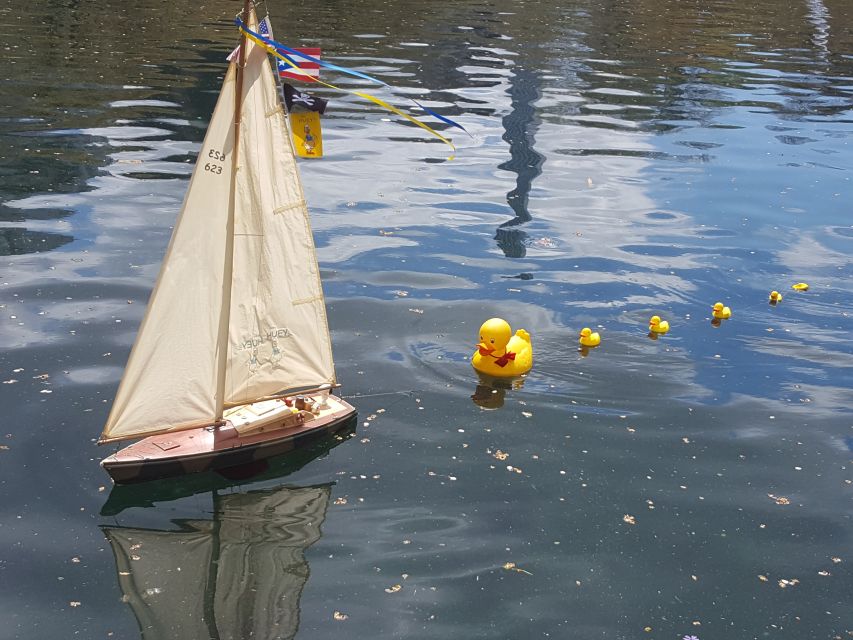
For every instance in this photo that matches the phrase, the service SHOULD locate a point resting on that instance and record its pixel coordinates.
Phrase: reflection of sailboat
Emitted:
(236, 325)
(237, 576)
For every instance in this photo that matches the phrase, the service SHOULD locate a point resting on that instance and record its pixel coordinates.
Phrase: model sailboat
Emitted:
(236, 325)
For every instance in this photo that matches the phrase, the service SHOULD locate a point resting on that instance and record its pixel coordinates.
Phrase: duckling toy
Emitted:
(500, 353)
(775, 297)
(588, 338)
(720, 312)
(656, 325)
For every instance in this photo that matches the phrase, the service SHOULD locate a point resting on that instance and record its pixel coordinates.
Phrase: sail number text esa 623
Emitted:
(212, 166)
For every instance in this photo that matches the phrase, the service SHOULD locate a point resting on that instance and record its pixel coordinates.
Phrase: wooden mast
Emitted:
(225, 312)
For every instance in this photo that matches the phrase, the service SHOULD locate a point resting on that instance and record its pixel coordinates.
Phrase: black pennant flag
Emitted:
(296, 100)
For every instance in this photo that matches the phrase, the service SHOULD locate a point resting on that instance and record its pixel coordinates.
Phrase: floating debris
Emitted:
(545, 243)
(511, 566)
(784, 584)
(393, 589)
(629, 519)
(779, 499)
(500, 455)
(337, 615)
(800, 286)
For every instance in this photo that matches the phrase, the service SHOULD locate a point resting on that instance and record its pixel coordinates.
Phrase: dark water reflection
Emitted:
(626, 159)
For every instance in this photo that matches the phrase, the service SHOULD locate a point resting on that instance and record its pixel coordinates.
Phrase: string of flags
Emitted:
(305, 64)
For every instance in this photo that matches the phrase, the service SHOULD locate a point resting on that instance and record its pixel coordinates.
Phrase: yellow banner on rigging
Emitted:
(307, 135)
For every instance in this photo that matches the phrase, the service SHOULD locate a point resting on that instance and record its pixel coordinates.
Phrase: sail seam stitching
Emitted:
(277, 109)
(289, 207)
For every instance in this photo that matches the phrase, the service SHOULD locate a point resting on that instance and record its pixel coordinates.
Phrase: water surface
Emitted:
(625, 159)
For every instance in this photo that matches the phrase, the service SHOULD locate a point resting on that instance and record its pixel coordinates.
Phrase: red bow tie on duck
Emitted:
(501, 361)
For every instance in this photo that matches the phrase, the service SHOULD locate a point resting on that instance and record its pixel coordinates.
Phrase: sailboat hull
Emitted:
(240, 441)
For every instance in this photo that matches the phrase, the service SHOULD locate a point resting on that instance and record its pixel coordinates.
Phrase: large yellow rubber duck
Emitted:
(589, 338)
(720, 312)
(656, 325)
(500, 353)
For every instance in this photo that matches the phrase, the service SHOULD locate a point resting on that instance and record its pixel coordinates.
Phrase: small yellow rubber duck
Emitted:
(775, 297)
(800, 286)
(720, 312)
(500, 353)
(588, 338)
(656, 325)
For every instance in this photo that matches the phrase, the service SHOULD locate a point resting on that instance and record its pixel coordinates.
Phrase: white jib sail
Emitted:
(278, 332)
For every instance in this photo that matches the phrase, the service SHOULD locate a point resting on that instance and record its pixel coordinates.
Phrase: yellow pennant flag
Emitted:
(307, 135)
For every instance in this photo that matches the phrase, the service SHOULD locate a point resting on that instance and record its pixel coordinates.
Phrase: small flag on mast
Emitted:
(264, 28)
(309, 70)
(300, 101)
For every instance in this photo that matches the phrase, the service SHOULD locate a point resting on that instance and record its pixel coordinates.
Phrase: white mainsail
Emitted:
(278, 337)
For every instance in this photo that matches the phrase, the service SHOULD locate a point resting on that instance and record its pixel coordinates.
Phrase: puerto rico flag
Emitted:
(310, 70)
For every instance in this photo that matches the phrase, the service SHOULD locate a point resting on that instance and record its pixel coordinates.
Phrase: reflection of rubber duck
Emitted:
(500, 353)
(588, 338)
(656, 325)
(488, 398)
(775, 297)
(800, 286)
(720, 312)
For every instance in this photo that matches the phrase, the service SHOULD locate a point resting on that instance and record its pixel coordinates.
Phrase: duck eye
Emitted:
(493, 341)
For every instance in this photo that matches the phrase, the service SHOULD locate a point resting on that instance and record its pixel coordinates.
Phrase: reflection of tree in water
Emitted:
(519, 131)
(17, 241)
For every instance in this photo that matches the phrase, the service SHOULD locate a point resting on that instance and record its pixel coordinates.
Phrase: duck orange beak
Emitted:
(484, 350)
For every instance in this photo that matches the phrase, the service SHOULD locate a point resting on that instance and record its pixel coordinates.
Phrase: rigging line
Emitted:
(410, 392)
